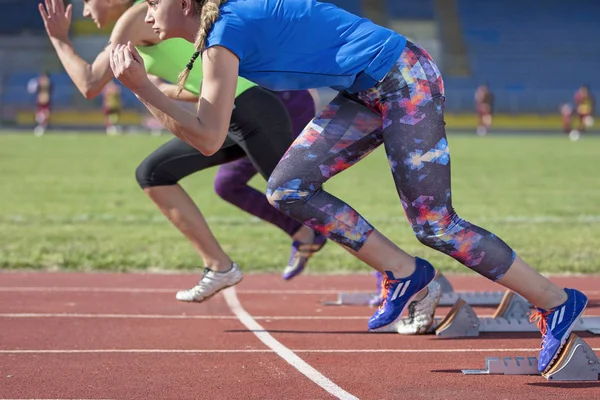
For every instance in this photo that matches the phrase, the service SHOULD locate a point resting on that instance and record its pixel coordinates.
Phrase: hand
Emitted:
(57, 20)
(128, 67)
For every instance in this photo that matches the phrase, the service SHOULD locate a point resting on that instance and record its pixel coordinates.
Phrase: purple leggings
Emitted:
(231, 181)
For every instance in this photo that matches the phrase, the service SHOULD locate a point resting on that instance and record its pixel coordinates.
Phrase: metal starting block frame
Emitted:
(449, 296)
(576, 362)
(462, 321)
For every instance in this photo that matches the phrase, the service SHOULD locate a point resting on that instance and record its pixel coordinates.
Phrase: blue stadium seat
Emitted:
(410, 9)
(525, 47)
(20, 16)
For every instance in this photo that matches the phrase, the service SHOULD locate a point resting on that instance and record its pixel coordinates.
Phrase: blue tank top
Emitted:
(303, 44)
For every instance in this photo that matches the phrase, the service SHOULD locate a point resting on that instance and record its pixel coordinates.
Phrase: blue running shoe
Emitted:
(556, 326)
(300, 254)
(397, 293)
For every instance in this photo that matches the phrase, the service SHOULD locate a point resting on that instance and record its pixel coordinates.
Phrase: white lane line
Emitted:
(142, 290)
(175, 316)
(171, 291)
(183, 316)
(305, 351)
(288, 355)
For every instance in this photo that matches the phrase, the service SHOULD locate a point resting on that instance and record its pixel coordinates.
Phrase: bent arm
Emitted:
(170, 90)
(90, 79)
(206, 130)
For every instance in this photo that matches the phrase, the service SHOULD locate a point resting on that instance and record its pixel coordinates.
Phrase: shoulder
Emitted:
(132, 26)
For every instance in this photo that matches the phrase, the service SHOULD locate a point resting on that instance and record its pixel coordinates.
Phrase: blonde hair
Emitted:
(209, 13)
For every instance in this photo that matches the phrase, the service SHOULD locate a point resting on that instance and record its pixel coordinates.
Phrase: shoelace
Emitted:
(201, 283)
(385, 286)
(540, 318)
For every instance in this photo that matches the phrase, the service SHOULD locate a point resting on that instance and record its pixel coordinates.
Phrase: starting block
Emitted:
(512, 315)
(449, 296)
(576, 362)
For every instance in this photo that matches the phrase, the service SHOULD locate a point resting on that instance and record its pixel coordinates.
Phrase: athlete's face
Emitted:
(167, 17)
(99, 11)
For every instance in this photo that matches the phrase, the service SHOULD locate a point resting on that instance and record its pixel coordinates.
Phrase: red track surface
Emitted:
(113, 342)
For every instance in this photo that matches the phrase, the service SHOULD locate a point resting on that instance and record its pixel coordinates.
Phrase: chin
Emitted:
(164, 35)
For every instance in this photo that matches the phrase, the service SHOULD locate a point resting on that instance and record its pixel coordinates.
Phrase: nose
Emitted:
(149, 18)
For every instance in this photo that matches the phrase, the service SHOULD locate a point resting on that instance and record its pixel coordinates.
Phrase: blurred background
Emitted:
(532, 54)
(520, 77)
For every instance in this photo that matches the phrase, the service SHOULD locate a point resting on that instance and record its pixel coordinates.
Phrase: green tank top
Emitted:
(167, 59)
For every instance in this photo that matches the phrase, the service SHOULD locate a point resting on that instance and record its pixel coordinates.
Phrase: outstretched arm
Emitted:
(170, 90)
(206, 130)
(90, 79)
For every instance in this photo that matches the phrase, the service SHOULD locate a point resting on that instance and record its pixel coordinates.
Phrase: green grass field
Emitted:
(71, 202)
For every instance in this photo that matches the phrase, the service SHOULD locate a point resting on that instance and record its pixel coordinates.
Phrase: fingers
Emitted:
(111, 60)
(43, 12)
(134, 53)
(48, 7)
(69, 11)
(59, 6)
(127, 57)
(121, 56)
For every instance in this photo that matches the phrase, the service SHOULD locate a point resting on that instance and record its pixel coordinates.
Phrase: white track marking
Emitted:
(183, 316)
(288, 355)
(171, 291)
(234, 351)
(142, 290)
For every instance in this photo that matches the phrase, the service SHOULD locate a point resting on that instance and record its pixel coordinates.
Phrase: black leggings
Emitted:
(260, 129)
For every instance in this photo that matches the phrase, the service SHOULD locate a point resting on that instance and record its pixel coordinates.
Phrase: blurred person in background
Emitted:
(566, 114)
(111, 98)
(42, 87)
(484, 102)
(584, 107)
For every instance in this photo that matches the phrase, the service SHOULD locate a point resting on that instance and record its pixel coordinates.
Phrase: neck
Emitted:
(190, 29)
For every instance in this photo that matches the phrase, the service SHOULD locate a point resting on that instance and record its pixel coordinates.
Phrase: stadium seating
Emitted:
(410, 9)
(534, 54)
(20, 16)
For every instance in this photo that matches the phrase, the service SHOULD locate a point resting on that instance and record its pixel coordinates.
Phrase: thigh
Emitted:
(239, 171)
(177, 159)
(338, 137)
(261, 126)
(300, 106)
(415, 137)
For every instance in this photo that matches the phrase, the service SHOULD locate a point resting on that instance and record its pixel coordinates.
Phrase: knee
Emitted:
(148, 175)
(225, 187)
(283, 192)
(436, 231)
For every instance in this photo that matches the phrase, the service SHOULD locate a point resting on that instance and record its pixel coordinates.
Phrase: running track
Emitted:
(124, 336)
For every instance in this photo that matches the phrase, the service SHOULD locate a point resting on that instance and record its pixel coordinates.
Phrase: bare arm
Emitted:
(90, 79)
(170, 90)
(206, 130)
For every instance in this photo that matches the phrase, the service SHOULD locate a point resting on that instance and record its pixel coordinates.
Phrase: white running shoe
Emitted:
(421, 313)
(211, 283)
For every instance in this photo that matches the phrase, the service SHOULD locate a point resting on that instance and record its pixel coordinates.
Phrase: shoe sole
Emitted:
(564, 339)
(425, 328)
(382, 328)
(209, 297)
(298, 271)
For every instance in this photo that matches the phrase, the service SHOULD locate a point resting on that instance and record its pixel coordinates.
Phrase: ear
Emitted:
(187, 6)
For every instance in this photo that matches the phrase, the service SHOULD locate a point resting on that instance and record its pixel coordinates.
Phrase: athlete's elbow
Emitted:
(90, 92)
(208, 149)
